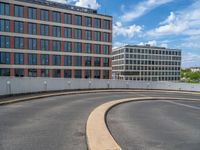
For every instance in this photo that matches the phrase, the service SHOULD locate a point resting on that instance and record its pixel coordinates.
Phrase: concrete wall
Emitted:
(29, 85)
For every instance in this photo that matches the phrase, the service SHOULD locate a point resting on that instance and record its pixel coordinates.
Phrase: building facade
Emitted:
(39, 38)
(146, 63)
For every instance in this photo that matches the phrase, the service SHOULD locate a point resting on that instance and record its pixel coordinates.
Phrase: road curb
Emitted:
(97, 133)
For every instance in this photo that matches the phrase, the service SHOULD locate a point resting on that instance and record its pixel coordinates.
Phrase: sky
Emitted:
(168, 23)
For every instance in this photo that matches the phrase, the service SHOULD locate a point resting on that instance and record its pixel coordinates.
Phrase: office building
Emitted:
(40, 38)
(146, 63)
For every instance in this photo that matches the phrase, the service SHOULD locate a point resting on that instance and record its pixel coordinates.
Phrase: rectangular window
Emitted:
(68, 32)
(67, 46)
(88, 21)
(32, 28)
(32, 72)
(78, 20)
(106, 62)
(78, 47)
(97, 74)
(106, 49)
(4, 72)
(19, 27)
(97, 23)
(56, 16)
(44, 73)
(4, 41)
(56, 31)
(44, 45)
(4, 25)
(44, 15)
(56, 73)
(78, 60)
(32, 13)
(78, 34)
(56, 60)
(68, 18)
(4, 9)
(88, 35)
(32, 59)
(4, 58)
(32, 44)
(97, 36)
(106, 24)
(88, 60)
(56, 45)
(67, 73)
(68, 60)
(88, 74)
(106, 74)
(97, 49)
(87, 48)
(19, 43)
(97, 61)
(19, 58)
(106, 37)
(44, 29)
(78, 73)
(44, 58)
(19, 11)
(19, 72)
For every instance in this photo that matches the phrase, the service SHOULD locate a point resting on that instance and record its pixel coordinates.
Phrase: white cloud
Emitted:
(88, 3)
(59, 1)
(142, 8)
(190, 59)
(126, 31)
(169, 19)
(191, 42)
(118, 44)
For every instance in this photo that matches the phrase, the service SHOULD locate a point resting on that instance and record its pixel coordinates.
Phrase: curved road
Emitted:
(56, 123)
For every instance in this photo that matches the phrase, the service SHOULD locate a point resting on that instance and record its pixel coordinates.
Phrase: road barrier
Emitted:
(12, 85)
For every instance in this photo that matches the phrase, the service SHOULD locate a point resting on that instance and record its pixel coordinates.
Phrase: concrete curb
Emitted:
(97, 133)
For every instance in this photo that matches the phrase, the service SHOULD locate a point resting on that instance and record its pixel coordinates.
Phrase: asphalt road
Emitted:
(56, 123)
(156, 125)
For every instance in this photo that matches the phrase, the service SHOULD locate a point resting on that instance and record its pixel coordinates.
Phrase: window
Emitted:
(78, 20)
(19, 27)
(106, 62)
(56, 45)
(88, 60)
(97, 61)
(56, 17)
(56, 73)
(106, 74)
(19, 58)
(56, 60)
(97, 36)
(87, 74)
(4, 41)
(67, 46)
(106, 24)
(68, 32)
(106, 37)
(87, 48)
(88, 35)
(32, 44)
(78, 73)
(32, 59)
(78, 60)
(44, 58)
(88, 21)
(78, 47)
(44, 15)
(4, 9)
(44, 72)
(44, 30)
(97, 74)
(19, 11)
(67, 73)
(4, 25)
(32, 72)
(106, 49)
(4, 58)
(19, 42)
(97, 23)
(68, 60)
(19, 72)
(32, 28)
(78, 34)
(68, 18)
(97, 49)
(32, 13)
(4, 72)
(56, 31)
(44, 45)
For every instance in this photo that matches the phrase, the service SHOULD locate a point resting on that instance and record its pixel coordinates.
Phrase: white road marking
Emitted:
(186, 105)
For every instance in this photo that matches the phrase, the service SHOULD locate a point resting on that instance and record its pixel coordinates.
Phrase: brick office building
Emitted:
(39, 38)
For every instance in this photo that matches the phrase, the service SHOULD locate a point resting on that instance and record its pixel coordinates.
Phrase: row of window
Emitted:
(138, 62)
(32, 44)
(56, 16)
(152, 79)
(55, 73)
(56, 60)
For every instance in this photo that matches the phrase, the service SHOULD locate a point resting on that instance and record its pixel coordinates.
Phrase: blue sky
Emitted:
(168, 23)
